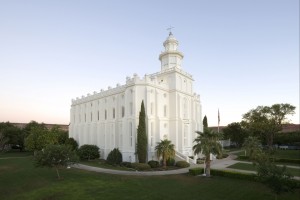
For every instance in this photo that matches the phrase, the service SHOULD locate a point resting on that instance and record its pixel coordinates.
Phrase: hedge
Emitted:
(182, 164)
(140, 166)
(153, 163)
(231, 174)
(286, 160)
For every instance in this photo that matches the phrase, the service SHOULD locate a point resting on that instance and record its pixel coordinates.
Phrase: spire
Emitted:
(171, 57)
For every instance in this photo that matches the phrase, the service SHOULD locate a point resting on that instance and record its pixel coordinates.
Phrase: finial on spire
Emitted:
(170, 29)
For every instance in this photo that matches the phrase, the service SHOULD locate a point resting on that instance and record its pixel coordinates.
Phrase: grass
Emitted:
(251, 167)
(21, 180)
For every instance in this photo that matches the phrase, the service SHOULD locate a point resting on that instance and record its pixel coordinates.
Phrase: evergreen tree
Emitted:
(205, 124)
(142, 136)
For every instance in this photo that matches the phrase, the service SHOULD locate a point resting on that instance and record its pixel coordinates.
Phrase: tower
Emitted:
(171, 57)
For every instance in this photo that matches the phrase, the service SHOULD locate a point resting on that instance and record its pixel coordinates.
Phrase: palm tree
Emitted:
(207, 143)
(166, 150)
(252, 146)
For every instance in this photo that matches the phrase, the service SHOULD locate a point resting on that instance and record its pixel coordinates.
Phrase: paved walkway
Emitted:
(216, 164)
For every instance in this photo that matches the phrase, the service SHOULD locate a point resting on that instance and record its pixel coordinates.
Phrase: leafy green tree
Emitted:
(57, 156)
(252, 146)
(267, 121)
(88, 152)
(275, 177)
(205, 124)
(13, 134)
(37, 139)
(166, 150)
(236, 133)
(207, 143)
(142, 136)
(3, 141)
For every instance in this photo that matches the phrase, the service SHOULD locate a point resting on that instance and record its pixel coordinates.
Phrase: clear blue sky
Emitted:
(241, 53)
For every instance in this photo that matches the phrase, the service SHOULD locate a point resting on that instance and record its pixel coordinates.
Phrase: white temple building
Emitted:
(109, 119)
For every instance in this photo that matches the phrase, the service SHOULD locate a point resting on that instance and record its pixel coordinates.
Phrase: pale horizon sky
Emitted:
(241, 53)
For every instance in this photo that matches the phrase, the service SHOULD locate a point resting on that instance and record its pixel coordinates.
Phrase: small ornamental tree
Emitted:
(114, 157)
(57, 156)
(205, 124)
(37, 139)
(141, 147)
(88, 152)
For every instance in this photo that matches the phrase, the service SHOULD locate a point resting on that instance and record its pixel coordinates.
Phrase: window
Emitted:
(152, 133)
(151, 108)
(91, 117)
(131, 108)
(114, 113)
(105, 114)
(165, 111)
(123, 111)
(185, 135)
(84, 117)
(98, 115)
(79, 118)
(131, 135)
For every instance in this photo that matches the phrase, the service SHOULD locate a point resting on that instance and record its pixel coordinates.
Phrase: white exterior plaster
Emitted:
(109, 119)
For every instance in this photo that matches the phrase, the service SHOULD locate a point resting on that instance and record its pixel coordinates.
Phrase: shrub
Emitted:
(182, 164)
(88, 152)
(170, 162)
(126, 164)
(140, 166)
(224, 155)
(153, 163)
(114, 157)
(72, 143)
(196, 171)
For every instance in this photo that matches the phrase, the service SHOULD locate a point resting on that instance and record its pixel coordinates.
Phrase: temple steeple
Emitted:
(171, 57)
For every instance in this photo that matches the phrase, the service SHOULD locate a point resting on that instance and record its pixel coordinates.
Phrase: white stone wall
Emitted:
(109, 118)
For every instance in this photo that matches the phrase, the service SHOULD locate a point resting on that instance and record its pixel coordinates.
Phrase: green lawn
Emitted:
(251, 167)
(19, 179)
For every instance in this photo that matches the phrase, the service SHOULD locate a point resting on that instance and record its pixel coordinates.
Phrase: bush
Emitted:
(114, 157)
(196, 171)
(140, 166)
(153, 163)
(224, 155)
(126, 164)
(170, 162)
(182, 164)
(72, 143)
(88, 152)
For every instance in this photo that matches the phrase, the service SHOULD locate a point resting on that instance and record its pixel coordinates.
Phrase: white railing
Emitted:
(184, 157)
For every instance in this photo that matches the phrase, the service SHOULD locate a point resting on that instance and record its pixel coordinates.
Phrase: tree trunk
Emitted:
(207, 170)
(164, 163)
(58, 177)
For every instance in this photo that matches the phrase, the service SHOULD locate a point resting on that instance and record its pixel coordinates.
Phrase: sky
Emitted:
(241, 53)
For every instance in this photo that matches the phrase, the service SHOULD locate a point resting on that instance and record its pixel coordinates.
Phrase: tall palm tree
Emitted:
(207, 143)
(166, 150)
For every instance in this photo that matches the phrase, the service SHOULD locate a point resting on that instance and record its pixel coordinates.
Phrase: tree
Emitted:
(114, 157)
(207, 142)
(3, 141)
(252, 147)
(166, 150)
(142, 136)
(266, 121)
(205, 124)
(37, 139)
(275, 177)
(236, 133)
(13, 134)
(57, 156)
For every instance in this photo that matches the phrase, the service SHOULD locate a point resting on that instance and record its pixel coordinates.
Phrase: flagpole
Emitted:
(218, 121)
